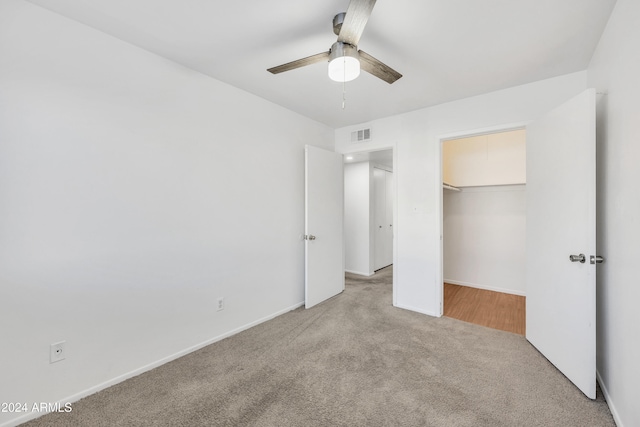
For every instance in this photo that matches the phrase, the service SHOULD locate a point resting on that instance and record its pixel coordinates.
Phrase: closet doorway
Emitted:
(484, 229)
(369, 206)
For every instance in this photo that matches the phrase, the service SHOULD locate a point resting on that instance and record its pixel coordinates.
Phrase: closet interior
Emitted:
(484, 229)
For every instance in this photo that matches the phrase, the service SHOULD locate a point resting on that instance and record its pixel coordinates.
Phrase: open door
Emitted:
(561, 206)
(324, 258)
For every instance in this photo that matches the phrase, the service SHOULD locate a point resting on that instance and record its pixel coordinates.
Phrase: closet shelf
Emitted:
(461, 187)
(449, 187)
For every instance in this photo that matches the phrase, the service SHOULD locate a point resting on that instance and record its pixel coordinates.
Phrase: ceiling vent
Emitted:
(362, 135)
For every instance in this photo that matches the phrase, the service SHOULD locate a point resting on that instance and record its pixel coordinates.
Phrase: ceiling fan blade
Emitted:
(356, 18)
(371, 65)
(324, 56)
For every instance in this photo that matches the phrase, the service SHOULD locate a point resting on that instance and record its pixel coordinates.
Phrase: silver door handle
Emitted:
(309, 237)
(596, 259)
(577, 258)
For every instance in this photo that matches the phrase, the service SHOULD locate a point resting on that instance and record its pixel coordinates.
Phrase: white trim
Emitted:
(394, 287)
(150, 366)
(485, 287)
(417, 310)
(359, 273)
(607, 398)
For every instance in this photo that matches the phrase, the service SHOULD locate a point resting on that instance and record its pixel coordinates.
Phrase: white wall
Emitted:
(614, 70)
(133, 193)
(484, 235)
(418, 279)
(489, 159)
(357, 218)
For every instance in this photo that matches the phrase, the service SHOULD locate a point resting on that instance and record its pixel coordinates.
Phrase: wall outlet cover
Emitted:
(57, 352)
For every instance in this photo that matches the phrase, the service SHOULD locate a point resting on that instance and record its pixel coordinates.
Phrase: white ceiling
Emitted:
(446, 49)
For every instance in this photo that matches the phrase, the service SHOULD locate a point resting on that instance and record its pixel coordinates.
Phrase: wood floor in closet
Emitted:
(495, 310)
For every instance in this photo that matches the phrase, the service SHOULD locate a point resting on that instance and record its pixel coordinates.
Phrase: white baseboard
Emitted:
(485, 287)
(607, 397)
(417, 310)
(359, 273)
(92, 390)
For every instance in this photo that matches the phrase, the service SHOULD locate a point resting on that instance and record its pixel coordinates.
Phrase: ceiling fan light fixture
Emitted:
(345, 59)
(344, 62)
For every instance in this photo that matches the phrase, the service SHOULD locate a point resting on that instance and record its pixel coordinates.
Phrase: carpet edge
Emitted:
(123, 377)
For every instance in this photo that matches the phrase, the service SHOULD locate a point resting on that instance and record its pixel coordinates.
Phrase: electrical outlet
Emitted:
(220, 303)
(57, 352)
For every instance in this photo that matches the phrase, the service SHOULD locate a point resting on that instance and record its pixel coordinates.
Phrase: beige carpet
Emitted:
(352, 361)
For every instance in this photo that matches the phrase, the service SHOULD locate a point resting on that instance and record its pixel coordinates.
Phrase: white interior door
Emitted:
(389, 218)
(324, 258)
(561, 207)
(383, 218)
(379, 214)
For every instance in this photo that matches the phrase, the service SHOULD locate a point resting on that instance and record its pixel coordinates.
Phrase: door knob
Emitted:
(596, 259)
(577, 258)
(309, 237)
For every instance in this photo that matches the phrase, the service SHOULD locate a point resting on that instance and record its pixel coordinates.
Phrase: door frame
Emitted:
(394, 148)
(440, 211)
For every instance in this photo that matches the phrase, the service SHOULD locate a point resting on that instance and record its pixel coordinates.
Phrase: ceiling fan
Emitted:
(345, 60)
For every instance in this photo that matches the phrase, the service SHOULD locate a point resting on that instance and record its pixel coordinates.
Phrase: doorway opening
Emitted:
(484, 229)
(369, 212)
